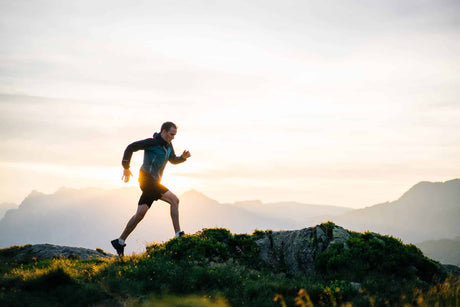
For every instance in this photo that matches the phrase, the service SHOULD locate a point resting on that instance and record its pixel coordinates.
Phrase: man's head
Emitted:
(168, 131)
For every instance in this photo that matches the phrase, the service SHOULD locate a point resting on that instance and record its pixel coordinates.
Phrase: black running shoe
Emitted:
(119, 248)
(181, 234)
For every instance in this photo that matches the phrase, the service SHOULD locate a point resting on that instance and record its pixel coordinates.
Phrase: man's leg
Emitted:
(172, 199)
(135, 219)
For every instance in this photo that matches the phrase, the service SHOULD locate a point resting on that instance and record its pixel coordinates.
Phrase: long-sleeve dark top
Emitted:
(157, 152)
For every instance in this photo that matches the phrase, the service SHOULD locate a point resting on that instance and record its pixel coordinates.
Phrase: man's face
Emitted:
(168, 136)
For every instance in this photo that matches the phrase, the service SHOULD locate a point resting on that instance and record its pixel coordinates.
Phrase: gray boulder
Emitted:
(297, 250)
(48, 251)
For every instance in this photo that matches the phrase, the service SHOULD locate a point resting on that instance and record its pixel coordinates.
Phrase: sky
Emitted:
(346, 103)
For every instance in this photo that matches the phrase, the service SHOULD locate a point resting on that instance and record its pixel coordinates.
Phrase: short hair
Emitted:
(168, 125)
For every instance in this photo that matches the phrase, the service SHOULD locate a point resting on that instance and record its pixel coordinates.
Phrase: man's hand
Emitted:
(126, 174)
(186, 154)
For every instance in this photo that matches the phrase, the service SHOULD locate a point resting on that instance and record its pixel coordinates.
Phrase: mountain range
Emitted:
(427, 211)
(91, 217)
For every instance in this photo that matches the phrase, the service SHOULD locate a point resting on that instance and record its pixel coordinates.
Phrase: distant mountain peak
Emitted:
(194, 194)
(428, 210)
(34, 193)
(427, 189)
(61, 190)
(254, 202)
(65, 189)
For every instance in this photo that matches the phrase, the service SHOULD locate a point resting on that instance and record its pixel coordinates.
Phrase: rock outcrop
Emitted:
(48, 251)
(297, 250)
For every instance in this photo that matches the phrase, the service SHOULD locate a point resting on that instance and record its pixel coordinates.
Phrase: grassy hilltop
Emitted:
(217, 268)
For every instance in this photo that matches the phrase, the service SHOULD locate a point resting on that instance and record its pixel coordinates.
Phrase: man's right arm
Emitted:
(132, 148)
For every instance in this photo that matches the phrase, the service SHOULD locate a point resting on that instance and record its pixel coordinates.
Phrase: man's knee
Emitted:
(174, 201)
(171, 198)
(141, 211)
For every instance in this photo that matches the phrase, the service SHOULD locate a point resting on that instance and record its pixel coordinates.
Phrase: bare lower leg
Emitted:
(135, 219)
(173, 201)
(175, 217)
(132, 223)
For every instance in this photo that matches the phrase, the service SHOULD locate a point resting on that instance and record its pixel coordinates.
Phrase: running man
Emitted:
(157, 151)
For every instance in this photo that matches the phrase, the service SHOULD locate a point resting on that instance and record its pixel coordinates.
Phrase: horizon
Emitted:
(93, 210)
(179, 194)
(234, 202)
(346, 104)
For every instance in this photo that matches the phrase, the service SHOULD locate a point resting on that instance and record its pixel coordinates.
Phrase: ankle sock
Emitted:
(178, 233)
(122, 242)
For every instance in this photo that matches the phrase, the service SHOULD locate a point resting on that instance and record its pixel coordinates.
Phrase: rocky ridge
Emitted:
(39, 252)
(294, 250)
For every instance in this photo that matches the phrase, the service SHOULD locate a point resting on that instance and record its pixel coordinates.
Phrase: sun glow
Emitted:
(107, 175)
(178, 184)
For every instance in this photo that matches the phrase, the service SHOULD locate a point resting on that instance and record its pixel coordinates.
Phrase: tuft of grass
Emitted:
(182, 301)
(384, 265)
(7, 255)
(328, 228)
(446, 293)
(53, 282)
(209, 245)
(101, 251)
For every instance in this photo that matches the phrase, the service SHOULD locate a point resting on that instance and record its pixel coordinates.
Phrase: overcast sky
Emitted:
(345, 103)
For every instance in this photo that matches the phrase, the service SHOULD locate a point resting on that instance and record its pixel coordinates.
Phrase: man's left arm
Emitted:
(175, 159)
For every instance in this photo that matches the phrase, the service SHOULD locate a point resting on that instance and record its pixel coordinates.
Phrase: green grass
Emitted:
(217, 268)
(386, 267)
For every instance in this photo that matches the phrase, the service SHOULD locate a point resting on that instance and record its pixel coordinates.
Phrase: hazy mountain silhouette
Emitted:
(92, 217)
(427, 211)
(67, 217)
(5, 207)
(297, 213)
(446, 251)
